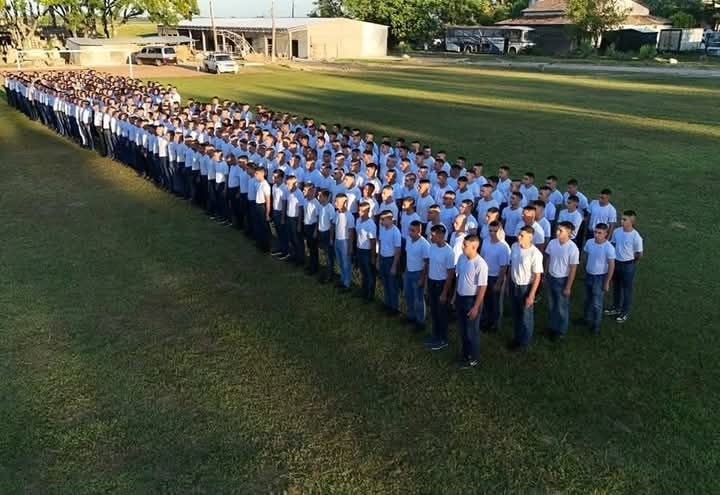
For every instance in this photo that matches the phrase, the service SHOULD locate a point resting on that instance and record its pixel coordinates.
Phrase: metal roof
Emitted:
(262, 23)
(134, 40)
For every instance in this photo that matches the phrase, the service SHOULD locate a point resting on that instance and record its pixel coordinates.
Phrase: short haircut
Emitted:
(385, 214)
(551, 177)
(606, 191)
(494, 223)
(567, 225)
(487, 185)
(539, 203)
(363, 205)
(341, 196)
(530, 174)
(324, 193)
(630, 213)
(370, 185)
(472, 238)
(573, 198)
(505, 168)
(517, 194)
(492, 209)
(529, 208)
(416, 223)
(601, 226)
(527, 229)
(435, 208)
(279, 173)
(409, 200)
(572, 182)
(439, 228)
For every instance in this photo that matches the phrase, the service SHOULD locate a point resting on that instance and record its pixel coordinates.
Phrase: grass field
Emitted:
(144, 349)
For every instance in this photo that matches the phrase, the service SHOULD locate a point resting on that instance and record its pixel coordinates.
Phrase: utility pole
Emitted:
(293, 9)
(272, 13)
(212, 24)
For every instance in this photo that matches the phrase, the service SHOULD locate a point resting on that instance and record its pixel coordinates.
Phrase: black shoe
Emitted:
(469, 364)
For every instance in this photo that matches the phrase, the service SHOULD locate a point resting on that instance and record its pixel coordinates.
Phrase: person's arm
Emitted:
(351, 240)
(268, 207)
(479, 297)
(500, 282)
(423, 275)
(373, 260)
(396, 260)
(530, 300)
(283, 211)
(570, 280)
(447, 287)
(609, 276)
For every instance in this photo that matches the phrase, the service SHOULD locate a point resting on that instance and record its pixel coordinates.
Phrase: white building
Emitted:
(314, 38)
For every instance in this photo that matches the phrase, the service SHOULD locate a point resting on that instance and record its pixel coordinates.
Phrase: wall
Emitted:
(91, 56)
(344, 38)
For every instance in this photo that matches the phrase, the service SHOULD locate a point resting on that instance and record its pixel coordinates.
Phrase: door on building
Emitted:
(295, 48)
(268, 47)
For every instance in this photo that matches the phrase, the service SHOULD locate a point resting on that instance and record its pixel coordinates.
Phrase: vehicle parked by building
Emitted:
(156, 55)
(220, 63)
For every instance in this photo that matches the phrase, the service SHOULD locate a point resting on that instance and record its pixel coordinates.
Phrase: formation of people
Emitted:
(448, 238)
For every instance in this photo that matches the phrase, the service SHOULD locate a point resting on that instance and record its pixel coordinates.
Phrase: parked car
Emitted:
(220, 62)
(157, 55)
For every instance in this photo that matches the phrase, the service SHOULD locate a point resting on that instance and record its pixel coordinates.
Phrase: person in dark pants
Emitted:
(326, 234)
(310, 227)
(441, 275)
(471, 273)
(526, 269)
(390, 245)
(292, 216)
(599, 268)
(366, 230)
(496, 253)
(628, 251)
(262, 206)
(563, 257)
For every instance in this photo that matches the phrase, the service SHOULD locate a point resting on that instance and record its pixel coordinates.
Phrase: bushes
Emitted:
(647, 52)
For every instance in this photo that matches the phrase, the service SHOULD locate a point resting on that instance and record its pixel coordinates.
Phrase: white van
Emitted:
(157, 55)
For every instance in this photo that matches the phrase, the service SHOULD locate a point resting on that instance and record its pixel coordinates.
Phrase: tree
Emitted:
(593, 17)
(22, 18)
(327, 8)
(409, 20)
(683, 20)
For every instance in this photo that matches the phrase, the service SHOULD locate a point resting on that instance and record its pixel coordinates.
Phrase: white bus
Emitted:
(497, 40)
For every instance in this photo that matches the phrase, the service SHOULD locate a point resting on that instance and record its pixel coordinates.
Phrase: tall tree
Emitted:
(22, 18)
(593, 17)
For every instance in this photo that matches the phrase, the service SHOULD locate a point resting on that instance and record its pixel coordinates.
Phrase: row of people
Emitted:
(449, 234)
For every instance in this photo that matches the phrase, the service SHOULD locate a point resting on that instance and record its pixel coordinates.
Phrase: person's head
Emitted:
(503, 172)
(341, 202)
(515, 199)
(628, 220)
(386, 218)
(544, 193)
(572, 186)
(564, 231)
(424, 187)
(492, 214)
(308, 190)
(528, 179)
(364, 210)
(410, 181)
(601, 232)
(442, 178)
(278, 177)
(370, 170)
(605, 196)
(494, 228)
(368, 190)
(387, 194)
(486, 192)
(462, 183)
(324, 197)
(260, 174)
(515, 184)
(528, 214)
(415, 229)
(572, 203)
(291, 182)
(434, 214)
(349, 180)
(408, 205)
(449, 199)
(438, 234)
(470, 246)
(551, 182)
(539, 208)
(466, 206)
(390, 176)
(525, 237)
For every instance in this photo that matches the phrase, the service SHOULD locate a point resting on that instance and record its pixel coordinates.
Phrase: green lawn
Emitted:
(144, 349)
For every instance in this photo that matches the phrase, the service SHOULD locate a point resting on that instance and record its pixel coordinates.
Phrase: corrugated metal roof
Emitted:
(261, 23)
(134, 40)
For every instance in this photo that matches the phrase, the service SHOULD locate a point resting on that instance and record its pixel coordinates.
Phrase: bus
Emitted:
(496, 40)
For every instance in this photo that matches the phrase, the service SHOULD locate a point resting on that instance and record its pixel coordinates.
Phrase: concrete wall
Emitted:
(344, 38)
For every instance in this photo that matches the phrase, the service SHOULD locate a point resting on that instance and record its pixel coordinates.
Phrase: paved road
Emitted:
(670, 70)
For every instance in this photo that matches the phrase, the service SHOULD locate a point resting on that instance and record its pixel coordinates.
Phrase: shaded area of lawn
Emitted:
(144, 349)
